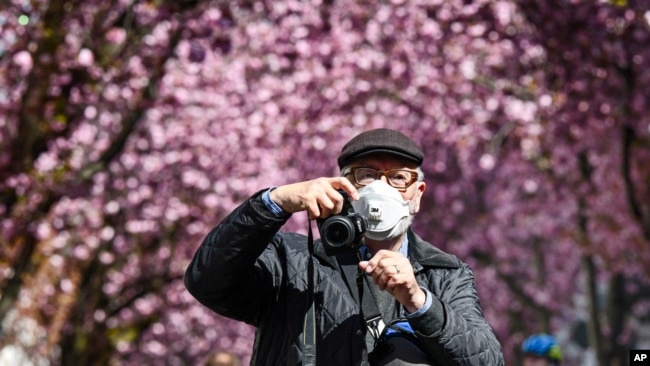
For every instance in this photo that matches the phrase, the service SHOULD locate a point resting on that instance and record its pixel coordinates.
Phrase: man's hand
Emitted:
(392, 271)
(318, 196)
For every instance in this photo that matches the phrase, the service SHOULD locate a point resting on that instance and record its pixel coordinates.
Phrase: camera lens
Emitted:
(337, 231)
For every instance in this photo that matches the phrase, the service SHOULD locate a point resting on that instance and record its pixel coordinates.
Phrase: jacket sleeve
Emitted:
(465, 337)
(226, 274)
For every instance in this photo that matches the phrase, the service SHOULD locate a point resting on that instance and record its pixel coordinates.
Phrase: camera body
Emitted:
(342, 232)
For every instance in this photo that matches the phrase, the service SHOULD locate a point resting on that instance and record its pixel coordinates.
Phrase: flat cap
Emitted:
(380, 140)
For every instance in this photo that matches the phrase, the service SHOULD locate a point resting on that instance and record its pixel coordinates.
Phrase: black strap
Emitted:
(368, 311)
(309, 327)
(368, 304)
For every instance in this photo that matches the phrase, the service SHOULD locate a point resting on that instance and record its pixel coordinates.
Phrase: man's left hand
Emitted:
(392, 271)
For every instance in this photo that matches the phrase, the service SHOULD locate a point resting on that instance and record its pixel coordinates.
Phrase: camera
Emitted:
(342, 232)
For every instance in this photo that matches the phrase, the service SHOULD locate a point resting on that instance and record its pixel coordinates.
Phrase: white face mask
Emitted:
(387, 213)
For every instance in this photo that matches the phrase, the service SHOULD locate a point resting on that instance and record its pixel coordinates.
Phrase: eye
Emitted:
(364, 175)
(401, 176)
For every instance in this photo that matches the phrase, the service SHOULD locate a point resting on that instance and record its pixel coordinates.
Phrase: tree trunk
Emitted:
(594, 334)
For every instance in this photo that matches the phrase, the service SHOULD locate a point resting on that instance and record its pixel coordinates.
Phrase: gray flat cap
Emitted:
(381, 140)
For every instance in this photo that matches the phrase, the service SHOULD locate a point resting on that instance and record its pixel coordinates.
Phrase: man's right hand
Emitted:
(320, 196)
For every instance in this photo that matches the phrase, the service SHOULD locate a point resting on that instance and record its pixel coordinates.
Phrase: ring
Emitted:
(396, 268)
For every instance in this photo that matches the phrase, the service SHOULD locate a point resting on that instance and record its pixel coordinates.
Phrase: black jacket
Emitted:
(247, 270)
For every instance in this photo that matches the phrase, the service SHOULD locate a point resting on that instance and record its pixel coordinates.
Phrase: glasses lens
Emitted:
(399, 178)
(366, 175)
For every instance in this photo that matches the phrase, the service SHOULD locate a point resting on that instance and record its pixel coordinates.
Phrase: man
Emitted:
(541, 350)
(395, 300)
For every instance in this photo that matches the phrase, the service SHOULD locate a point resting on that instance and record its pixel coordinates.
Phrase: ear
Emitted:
(417, 197)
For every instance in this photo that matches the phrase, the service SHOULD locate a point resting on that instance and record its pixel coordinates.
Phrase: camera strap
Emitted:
(309, 327)
(368, 310)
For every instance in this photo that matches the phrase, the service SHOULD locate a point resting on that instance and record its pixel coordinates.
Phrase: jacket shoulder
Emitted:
(428, 255)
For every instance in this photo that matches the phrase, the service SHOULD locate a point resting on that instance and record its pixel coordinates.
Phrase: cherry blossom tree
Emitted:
(129, 129)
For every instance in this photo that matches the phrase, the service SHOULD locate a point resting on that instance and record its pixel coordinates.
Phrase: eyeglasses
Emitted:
(397, 178)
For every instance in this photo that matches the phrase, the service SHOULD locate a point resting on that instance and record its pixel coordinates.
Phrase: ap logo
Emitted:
(639, 357)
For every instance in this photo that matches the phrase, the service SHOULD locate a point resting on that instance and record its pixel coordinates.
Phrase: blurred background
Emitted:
(129, 128)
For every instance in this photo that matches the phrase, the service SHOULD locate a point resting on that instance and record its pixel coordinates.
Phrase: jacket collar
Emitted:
(427, 255)
(421, 253)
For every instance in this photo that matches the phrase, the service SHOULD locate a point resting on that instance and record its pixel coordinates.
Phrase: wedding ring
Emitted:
(397, 268)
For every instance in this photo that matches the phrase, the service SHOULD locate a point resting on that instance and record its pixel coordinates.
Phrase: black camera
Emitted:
(344, 231)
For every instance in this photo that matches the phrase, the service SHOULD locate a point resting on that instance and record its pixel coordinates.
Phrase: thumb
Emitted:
(363, 265)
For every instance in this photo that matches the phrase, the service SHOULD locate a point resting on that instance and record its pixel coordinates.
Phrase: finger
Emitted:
(318, 198)
(390, 272)
(367, 267)
(347, 186)
(391, 282)
(384, 261)
(337, 200)
(313, 210)
(385, 254)
(395, 271)
(363, 265)
(332, 204)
